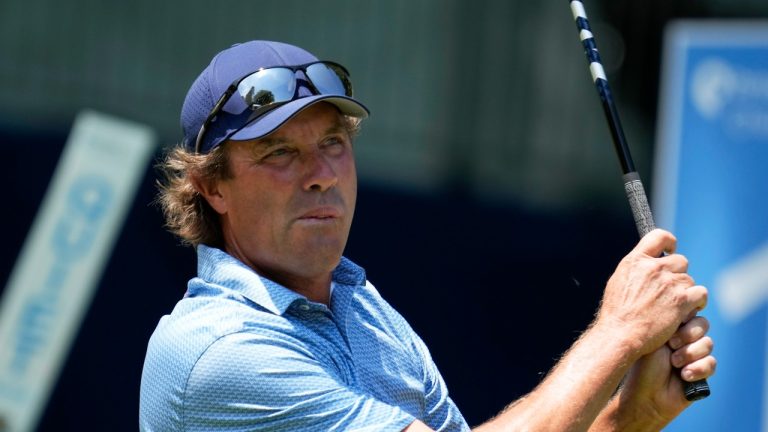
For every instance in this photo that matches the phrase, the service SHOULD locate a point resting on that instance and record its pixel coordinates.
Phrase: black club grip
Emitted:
(696, 390)
(641, 211)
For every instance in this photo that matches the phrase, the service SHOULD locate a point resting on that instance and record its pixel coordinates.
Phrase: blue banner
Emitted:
(711, 190)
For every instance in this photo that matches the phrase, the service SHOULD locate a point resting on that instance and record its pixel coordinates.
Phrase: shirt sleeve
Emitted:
(440, 413)
(243, 382)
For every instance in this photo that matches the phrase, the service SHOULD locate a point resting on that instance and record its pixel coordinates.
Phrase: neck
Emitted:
(311, 281)
(315, 288)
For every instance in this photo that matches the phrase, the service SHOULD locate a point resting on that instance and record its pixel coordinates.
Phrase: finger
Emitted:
(692, 352)
(690, 315)
(693, 330)
(656, 242)
(700, 369)
(697, 297)
(675, 263)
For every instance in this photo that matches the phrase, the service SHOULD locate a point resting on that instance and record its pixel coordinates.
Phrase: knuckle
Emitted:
(686, 279)
(654, 266)
(680, 299)
(679, 281)
(630, 260)
(667, 237)
(671, 237)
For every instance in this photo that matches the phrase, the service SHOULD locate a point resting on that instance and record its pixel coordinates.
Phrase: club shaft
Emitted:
(633, 186)
(617, 132)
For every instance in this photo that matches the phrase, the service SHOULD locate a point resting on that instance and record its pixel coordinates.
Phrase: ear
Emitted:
(210, 190)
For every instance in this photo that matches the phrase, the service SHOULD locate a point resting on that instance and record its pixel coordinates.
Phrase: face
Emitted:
(287, 209)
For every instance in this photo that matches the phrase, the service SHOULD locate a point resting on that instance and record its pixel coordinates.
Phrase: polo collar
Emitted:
(217, 267)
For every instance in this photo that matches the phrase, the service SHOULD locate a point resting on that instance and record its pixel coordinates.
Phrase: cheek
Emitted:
(349, 172)
(349, 191)
(347, 181)
(353, 188)
(250, 203)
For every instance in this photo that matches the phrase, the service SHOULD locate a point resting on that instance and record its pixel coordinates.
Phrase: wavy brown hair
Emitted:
(187, 214)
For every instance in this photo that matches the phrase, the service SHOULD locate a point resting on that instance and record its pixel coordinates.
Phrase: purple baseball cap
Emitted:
(234, 63)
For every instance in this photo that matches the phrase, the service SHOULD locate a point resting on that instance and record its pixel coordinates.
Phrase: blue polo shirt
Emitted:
(240, 352)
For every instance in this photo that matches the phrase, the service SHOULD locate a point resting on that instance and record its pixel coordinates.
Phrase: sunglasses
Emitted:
(268, 88)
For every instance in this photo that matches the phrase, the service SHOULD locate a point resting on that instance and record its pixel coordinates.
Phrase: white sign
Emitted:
(63, 258)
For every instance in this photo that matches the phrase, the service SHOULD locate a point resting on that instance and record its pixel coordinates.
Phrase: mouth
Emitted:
(321, 214)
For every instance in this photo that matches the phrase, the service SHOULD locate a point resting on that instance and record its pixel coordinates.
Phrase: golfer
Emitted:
(278, 331)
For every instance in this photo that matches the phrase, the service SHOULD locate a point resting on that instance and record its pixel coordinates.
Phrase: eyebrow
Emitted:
(268, 142)
(335, 128)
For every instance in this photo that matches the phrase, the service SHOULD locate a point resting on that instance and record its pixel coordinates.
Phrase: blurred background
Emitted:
(490, 210)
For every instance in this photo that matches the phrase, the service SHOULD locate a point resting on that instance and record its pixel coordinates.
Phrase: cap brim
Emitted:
(271, 121)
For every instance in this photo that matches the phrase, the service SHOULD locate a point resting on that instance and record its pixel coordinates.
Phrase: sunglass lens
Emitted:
(267, 86)
(330, 79)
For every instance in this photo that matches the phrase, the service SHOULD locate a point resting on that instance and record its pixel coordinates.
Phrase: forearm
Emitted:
(577, 389)
(617, 416)
(643, 305)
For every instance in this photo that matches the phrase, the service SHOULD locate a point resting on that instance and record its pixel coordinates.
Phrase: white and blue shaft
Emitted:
(588, 40)
(601, 84)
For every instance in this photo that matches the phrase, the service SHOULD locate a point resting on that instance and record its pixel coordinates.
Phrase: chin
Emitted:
(324, 254)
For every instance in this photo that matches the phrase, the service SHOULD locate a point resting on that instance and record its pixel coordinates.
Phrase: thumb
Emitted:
(651, 372)
(656, 242)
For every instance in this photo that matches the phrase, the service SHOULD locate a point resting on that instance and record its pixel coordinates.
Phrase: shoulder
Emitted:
(278, 384)
(184, 338)
(370, 307)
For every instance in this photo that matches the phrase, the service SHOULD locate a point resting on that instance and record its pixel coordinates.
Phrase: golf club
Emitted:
(633, 187)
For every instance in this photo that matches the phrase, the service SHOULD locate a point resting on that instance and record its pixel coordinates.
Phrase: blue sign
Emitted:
(711, 190)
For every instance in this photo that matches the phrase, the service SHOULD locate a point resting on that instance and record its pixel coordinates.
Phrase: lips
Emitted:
(322, 213)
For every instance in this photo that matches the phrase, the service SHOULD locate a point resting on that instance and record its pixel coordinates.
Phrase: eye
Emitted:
(277, 154)
(335, 144)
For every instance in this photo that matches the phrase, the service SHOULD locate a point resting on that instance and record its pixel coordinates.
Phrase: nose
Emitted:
(319, 173)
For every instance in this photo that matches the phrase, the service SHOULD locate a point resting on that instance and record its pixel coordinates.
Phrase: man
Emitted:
(280, 332)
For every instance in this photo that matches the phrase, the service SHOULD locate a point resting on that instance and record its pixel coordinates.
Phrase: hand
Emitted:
(648, 297)
(653, 389)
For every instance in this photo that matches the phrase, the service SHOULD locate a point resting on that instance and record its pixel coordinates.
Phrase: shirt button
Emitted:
(304, 307)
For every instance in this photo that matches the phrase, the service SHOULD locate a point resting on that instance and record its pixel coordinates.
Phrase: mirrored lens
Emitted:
(329, 78)
(267, 86)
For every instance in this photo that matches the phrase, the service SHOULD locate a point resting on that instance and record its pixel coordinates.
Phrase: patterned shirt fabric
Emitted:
(240, 352)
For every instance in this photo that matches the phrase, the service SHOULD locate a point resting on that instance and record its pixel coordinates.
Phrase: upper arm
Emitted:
(440, 411)
(243, 381)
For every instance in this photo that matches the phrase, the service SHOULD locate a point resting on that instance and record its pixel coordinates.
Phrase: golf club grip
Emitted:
(641, 211)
